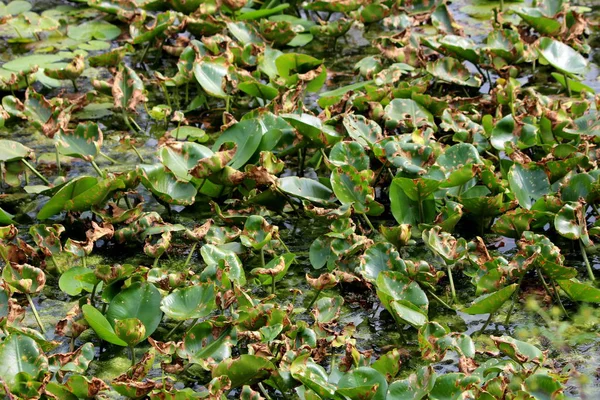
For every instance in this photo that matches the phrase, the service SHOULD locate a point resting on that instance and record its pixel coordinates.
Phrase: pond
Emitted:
(335, 199)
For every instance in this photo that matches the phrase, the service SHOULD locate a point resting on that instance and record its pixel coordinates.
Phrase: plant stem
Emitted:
(93, 294)
(314, 299)
(264, 391)
(173, 330)
(74, 85)
(35, 171)
(98, 171)
(567, 84)
(442, 302)
(514, 300)
(132, 352)
(126, 120)
(262, 257)
(189, 257)
(137, 153)
(273, 284)
(487, 322)
(284, 245)
(112, 160)
(560, 303)
(368, 221)
(452, 289)
(586, 261)
(35, 313)
(58, 167)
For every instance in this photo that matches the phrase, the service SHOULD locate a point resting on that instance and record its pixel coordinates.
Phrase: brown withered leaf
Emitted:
(97, 232)
(324, 281)
(68, 326)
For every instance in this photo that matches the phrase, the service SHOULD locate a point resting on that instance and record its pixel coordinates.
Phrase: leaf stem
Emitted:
(273, 284)
(586, 261)
(132, 353)
(314, 299)
(137, 153)
(35, 313)
(189, 257)
(262, 257)
(368, 221)
(486, 323)
(35, 171)
(93, 294)
(442, 302)
(567, 84)
(112, 160)
(98, 171)
(58, 166)
(514, 300)
(174, 329)
(451, 278)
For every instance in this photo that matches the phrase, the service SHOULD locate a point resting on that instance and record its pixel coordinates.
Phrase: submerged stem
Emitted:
(35, 313)
(586, 261)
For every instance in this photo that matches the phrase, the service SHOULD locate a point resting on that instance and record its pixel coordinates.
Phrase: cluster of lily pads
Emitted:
(203, 133)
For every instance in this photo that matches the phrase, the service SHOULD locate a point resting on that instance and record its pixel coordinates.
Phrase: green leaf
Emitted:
(83, 143)
(205, 345)
(5, 218)
(166, 186)
(407, 211)
(87, 31)
(349, 153)
(180, 157)
(580, 291)
(101, 326)
(353, 187)
(451, 70)
(77, 279)
(403, 298)
(246, 370)
(24, 278)
(363, 130)
(571, 223)
(562, 57)
(210, 75)
(141, 301)
(195, 301)
(247, 135)
(20, 354)
(543, 387)
(491, 303)
(363, 383)
(12, 151)
(407, 113)
(305, 188)
(314, 377)
(518, 350)
(528, 184)
(257, 89)
(378, 258)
